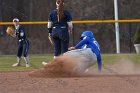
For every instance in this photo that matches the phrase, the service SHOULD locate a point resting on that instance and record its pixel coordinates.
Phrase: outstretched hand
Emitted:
(71, 48)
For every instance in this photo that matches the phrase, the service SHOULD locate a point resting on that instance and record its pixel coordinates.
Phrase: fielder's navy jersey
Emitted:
(88, 42)
(23, 44)
(54, 18)
(20, 33)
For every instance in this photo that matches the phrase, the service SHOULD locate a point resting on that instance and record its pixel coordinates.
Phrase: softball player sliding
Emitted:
(23, 44)
(85, 54)
(89, 49)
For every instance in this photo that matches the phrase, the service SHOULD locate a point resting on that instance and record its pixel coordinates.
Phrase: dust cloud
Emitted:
(63, 66)
(66, 66)
(122, 66)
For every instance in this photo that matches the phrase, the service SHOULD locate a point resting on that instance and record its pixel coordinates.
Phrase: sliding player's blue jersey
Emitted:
(88, 42)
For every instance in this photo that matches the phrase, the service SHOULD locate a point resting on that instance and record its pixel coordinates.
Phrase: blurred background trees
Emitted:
(38, 10)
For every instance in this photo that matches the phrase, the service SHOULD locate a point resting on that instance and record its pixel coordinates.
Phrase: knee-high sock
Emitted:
(19, 60)
(26, 60)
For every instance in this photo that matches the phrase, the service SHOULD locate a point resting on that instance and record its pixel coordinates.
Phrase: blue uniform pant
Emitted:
(60, 46)
(23, 48)
(60, 37)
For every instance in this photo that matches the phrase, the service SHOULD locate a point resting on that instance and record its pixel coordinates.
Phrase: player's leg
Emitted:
(64, 46)
(92, 59)
(64, 40)
(27, 61)
(57, 47)
(19, 54)
(25, 53)
(83, 58)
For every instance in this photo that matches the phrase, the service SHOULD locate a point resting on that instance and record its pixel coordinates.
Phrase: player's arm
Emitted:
(82, 42)
(49, 28)
(99, 62)
(69, 21)
(50, 24)
(49, 32)
(70, 26)
(97, 52)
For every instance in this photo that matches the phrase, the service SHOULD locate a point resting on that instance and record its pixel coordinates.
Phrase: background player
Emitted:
(23, 44)
(59, 27)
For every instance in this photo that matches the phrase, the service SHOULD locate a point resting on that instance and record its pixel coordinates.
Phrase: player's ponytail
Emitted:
(60, 9)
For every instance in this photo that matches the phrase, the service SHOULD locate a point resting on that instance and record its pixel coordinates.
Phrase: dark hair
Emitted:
(60, 10)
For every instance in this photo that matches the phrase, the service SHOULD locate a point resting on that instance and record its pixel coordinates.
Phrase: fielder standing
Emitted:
(23, 44)
(59, 27)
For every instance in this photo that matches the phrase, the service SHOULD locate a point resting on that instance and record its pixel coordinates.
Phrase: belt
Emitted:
(60, 27)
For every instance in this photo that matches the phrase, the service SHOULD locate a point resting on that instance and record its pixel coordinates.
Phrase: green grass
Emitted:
(6, 61)
(113, 58)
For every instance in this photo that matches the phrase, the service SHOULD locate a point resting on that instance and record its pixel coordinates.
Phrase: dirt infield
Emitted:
(123, 77)
(21, 82)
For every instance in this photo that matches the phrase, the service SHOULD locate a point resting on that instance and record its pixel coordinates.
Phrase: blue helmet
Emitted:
(88, 34)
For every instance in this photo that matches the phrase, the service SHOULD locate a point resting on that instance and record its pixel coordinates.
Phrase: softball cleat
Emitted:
(44, 63)
(27, 65)
(16, 64)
